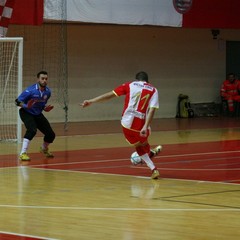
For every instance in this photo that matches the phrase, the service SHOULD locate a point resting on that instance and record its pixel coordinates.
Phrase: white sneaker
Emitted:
(155, 151)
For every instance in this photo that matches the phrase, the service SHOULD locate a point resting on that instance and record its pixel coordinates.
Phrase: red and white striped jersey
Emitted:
(139, 97)
(6, 9)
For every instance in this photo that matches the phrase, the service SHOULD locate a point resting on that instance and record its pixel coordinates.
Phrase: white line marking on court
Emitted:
(143, 177)
(82, 162)
(123, 209)
(199, 169)
(196, 154)
(126, 159)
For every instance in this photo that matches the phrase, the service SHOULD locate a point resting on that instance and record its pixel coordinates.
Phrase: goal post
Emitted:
(11, 72)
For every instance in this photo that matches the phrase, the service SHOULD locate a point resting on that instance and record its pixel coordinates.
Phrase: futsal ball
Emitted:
(135, 159)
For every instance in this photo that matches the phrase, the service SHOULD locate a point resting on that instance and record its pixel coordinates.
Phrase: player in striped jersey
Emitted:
(141, 101)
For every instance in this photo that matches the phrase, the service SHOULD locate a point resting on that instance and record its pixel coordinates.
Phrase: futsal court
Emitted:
(90, 189)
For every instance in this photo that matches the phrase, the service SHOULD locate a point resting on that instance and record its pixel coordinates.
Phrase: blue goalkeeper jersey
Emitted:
(40, 98)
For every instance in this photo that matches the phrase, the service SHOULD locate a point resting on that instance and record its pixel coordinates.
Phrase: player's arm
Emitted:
(223, 91)
(101, 98)
(22, 100)
(154, 104)
(48, 107)
(19, 103)
(148, 121)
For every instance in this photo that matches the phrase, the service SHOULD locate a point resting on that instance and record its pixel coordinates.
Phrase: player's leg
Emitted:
(44, 126)
(142, 147)
(31, 130)
(236, 105)
(143, 150)
(230, 102)
(154, 151)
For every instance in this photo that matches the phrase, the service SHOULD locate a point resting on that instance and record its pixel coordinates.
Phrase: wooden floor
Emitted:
(90, 190)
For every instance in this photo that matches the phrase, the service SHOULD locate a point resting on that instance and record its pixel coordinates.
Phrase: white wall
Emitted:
(178, 60)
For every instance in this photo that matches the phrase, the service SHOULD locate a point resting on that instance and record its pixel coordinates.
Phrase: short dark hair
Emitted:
(142, 76)
(42, 72)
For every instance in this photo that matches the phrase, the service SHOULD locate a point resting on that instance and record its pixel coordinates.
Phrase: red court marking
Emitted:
(212, 161)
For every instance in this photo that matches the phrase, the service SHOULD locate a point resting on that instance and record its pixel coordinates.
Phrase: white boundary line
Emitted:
(125, 159)
(134, 176)
(194, 154)
(125, 209)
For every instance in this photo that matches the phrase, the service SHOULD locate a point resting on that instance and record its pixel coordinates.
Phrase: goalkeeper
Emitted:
(32, 101)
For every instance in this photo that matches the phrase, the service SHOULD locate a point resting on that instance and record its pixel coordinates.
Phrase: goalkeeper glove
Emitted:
(48, 108)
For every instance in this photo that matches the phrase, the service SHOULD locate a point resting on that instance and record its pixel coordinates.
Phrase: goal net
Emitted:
(11, 60)
(45, 48)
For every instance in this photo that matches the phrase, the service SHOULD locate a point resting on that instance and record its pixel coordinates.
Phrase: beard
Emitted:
(42, 85)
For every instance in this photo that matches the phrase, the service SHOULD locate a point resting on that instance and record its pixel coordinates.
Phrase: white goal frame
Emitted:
(19, 41)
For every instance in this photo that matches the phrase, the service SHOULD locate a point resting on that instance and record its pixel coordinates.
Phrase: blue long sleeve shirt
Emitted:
(40, 98)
